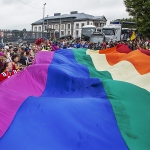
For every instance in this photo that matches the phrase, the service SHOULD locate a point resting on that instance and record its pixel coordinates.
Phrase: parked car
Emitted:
(97, 37)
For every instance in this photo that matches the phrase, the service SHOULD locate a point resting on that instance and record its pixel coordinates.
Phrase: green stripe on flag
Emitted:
(131, 105)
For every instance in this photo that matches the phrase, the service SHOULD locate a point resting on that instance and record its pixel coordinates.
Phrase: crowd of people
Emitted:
(135, 44)
(14, 59)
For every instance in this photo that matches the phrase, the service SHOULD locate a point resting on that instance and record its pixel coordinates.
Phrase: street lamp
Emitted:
(47, 20)
(43, 20)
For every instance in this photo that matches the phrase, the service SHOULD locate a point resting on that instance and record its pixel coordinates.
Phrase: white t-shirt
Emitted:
(8, 57)
(6, 47)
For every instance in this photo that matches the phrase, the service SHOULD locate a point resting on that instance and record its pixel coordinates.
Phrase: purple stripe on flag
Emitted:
(15, 90)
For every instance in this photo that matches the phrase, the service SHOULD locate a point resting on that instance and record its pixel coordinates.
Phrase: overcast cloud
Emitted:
(16, 15)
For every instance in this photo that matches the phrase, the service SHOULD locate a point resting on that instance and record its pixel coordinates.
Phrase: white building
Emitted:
(68, 24)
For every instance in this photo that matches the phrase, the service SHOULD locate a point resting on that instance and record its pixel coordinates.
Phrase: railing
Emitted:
(16, 35)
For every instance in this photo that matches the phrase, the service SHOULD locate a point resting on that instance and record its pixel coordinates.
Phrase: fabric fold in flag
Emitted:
(14, 91)
(128, 100)
(83, 99)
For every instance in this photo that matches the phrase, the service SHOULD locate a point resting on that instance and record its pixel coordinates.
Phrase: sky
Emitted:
(20, 14)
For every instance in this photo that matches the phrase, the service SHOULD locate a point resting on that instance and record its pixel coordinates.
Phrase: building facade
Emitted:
(67, 24)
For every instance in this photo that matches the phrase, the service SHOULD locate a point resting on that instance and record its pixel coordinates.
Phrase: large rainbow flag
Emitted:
(78, 99)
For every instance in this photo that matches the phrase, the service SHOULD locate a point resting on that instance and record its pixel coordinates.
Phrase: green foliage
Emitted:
(140, 9)
(17, 33)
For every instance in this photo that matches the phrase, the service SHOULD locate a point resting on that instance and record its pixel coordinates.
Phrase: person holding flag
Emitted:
(133, 36)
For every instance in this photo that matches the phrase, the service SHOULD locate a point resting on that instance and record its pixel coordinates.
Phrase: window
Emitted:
(91, 23)
(62, 27)
(35, 28)
(68, 32)
(62, 33)
(45, 27)
(77, 26)
(108, 31)
(39, 28)
(68, 26)
(88, 31)
(96, 24)
(56, 27)
(50, 26)
(77, 33)
(82, 24)
(102, 24)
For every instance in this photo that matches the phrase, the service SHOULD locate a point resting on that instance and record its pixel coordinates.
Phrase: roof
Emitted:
(110, 26)
(78, 16)
(126, 22)
(122, 22)
(38, 22)
(88, 26)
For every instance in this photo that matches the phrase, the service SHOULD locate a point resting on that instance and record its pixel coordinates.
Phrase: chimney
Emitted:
(57, 14)
(73, 12)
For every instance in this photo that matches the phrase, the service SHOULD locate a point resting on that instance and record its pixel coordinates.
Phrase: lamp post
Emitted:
(43, 20)
(47, 20)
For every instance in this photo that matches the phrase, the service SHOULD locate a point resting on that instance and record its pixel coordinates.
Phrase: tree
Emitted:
(140, 9)
(17, 33)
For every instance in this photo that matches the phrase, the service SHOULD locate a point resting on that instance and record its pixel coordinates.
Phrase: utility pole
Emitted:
(43, 21)
(47, 21)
